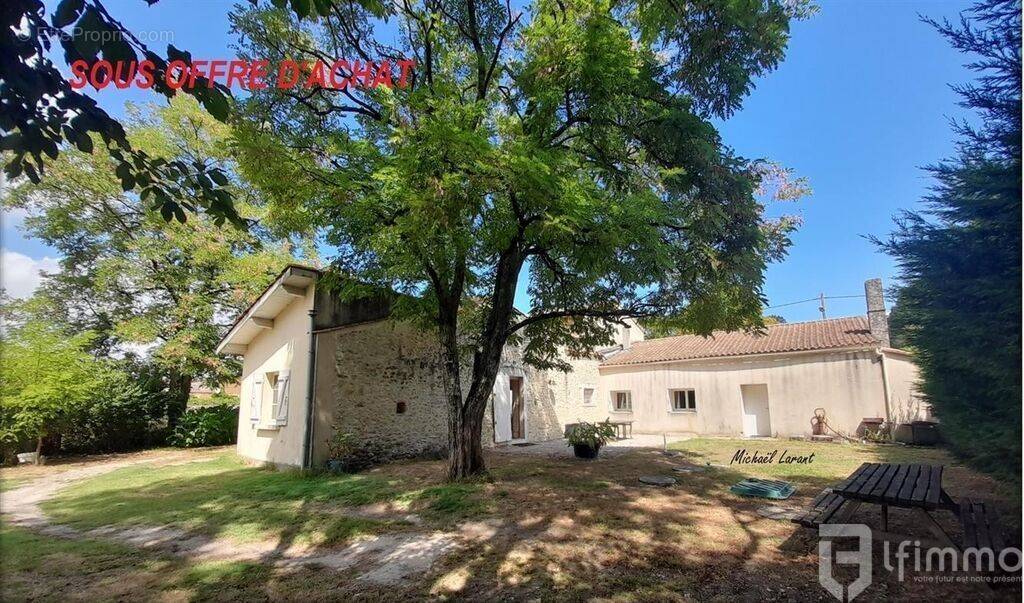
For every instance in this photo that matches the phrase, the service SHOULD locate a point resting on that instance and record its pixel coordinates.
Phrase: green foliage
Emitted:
(206, 426)
(127, 413)
(47, 379)
(214, 400)
(959, 306)
(132, 278)
(45, 117)
(594, 435)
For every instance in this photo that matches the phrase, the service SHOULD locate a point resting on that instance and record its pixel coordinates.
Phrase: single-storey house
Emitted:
(314, 366)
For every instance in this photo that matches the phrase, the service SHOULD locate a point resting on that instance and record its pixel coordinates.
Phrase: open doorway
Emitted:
(757, 419)
(518, 408)
(508, 408)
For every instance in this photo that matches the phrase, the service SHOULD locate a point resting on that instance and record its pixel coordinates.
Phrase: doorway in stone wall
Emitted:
(518, 413)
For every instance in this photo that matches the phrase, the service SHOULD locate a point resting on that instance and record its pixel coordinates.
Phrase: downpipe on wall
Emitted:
(307, 441)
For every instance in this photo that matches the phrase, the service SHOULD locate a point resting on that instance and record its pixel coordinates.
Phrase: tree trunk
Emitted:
(178, 388)
(466, 417)
(39, 451)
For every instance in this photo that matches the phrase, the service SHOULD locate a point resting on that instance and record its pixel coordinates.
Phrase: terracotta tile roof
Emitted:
(794, 337)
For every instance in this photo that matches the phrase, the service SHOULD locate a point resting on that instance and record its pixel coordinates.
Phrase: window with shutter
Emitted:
(281, 393)
(256, 399)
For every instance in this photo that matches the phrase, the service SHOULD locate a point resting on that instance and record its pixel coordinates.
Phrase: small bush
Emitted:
(214, 400)
(128, 414)
(594, 435)
(206, 426)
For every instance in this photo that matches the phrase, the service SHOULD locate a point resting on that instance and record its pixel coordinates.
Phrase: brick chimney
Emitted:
(877, 320)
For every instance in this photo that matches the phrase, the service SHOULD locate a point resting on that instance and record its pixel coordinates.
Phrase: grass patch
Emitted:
(224, 497)
(452, 501)
(579, 530)
(12, 483)
(831, 461)
(40, 568)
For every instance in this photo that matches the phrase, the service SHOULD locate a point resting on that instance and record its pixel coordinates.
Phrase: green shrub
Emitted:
(594, 435)
(126, 414)
(214, 400)
(206, 426)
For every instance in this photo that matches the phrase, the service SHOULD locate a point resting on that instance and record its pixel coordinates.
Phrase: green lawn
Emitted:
(576, 530)
(224, 497)
(12, 483)
(55, 569)
(830, 461)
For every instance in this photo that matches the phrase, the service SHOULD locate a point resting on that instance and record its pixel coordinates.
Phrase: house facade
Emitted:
(314, 366)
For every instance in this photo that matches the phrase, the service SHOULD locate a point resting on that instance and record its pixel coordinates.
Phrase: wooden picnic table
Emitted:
(908, 486)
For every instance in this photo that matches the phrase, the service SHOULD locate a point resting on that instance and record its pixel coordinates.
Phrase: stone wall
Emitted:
(364, 371)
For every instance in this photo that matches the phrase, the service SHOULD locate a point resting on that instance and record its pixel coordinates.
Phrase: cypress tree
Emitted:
(959, 255)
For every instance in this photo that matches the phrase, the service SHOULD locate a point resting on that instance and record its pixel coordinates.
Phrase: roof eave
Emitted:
(854, 348)
(229, 344)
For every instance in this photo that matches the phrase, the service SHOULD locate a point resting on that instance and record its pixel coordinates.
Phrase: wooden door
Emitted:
(518, 408)
(501, 409)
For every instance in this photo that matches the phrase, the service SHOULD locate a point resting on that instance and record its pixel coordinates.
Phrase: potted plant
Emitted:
(586, 439)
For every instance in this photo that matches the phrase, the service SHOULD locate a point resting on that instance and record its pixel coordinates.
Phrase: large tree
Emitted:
(567, 141)
(959, 256)
(131, 277)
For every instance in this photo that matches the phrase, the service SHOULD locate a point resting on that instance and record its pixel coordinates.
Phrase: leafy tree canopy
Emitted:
(46, 376)
(131, 277)
(568, 141)
(43, 115)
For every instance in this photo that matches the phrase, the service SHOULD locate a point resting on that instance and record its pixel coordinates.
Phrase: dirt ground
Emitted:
(553, 528)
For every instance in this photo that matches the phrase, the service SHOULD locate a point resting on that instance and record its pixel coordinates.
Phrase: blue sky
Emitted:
(860, 104)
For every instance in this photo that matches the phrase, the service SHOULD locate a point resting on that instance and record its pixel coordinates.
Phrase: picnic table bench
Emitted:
(982, 528)
(910, 486)
(622, 428)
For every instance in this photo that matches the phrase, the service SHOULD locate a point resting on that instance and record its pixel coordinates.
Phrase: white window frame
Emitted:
(614, 399)
(273, 379)
(593, 396)
(692, 399)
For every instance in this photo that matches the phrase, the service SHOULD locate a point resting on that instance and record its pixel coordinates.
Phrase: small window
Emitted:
(622, 402)
(588, 396)
(275, 399)
(684, 400)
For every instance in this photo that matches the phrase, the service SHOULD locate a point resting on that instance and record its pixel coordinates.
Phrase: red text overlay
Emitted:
(250, 75)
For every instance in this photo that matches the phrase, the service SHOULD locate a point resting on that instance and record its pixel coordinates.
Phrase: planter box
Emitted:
(26, 458)
(585, 452)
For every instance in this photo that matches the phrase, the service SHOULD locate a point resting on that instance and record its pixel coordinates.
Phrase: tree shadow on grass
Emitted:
(567, 538)
(560, 528)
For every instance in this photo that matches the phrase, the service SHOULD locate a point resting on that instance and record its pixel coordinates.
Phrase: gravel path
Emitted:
(383, 559)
